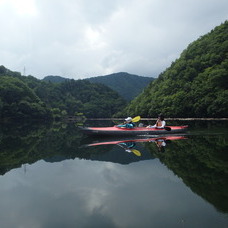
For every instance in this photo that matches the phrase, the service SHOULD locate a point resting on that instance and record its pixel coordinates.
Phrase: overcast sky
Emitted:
(85, 38)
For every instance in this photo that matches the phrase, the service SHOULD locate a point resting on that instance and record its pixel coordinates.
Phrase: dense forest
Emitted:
(195, 85)
(27, 97)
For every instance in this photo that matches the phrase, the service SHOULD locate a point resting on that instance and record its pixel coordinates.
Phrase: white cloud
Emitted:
(82, 38)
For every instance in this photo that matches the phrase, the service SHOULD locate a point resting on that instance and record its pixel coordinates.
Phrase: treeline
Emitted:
(27, 97)
(195, 85)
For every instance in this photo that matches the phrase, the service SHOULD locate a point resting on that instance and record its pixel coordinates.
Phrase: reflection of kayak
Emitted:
(165, 138)
(135, 131)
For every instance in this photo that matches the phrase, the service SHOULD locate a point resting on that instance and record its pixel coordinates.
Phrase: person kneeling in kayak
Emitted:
(160, 123)
(128, 123)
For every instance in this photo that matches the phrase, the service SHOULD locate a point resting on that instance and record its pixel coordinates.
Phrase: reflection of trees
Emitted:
(202, 163)
(28, 143)
(17, 145)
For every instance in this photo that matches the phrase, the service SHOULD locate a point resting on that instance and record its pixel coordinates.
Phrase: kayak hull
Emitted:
(110, 131)
(114, 142)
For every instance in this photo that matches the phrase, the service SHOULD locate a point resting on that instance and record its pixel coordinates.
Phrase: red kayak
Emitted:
(133, 131)
(165, 138)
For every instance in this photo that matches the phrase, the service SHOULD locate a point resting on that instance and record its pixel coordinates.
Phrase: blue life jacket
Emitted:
(128, 125)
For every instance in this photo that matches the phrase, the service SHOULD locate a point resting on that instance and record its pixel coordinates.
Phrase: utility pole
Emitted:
(25, 170)
(24, 71)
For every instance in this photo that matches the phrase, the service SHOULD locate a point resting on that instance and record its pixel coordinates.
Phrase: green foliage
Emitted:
(195, 85)
(28, 97)
(94, 100)
(18, 100)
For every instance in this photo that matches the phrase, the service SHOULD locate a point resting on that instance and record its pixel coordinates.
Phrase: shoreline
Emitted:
(188, 119)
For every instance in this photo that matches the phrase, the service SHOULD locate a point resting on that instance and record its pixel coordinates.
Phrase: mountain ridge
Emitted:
(126, 84)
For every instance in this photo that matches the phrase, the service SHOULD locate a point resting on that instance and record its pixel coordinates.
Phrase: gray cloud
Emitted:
(80, 39)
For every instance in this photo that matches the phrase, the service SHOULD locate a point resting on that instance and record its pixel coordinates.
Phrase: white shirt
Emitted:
(162, 126)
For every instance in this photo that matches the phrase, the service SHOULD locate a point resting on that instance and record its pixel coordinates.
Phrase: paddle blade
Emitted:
(136, 119)
(136, 152)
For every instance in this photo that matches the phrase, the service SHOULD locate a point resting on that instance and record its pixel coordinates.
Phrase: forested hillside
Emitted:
(127, 85)
(17, 100)
(28, 97)
(195, 85)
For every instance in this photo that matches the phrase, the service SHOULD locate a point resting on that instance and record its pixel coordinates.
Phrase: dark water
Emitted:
(51, 176)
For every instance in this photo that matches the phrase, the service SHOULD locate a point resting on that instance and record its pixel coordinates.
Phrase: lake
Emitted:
(51, 175)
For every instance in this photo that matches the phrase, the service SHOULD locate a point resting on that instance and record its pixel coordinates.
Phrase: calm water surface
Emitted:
(52, 176)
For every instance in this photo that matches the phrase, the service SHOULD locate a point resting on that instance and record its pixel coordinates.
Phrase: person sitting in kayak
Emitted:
(128, 123)
(161, 143)
(127, 146)
(160, 123)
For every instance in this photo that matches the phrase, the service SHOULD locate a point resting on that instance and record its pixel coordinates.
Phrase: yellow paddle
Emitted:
(136, 152)
(136, 119)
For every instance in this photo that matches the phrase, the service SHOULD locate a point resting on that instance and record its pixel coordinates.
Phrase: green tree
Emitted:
(195, 85)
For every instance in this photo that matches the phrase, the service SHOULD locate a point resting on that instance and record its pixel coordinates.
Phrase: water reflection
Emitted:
(129, 144)
(111, 193)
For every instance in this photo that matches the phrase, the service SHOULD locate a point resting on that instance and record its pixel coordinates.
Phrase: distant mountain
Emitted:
(127, 85)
